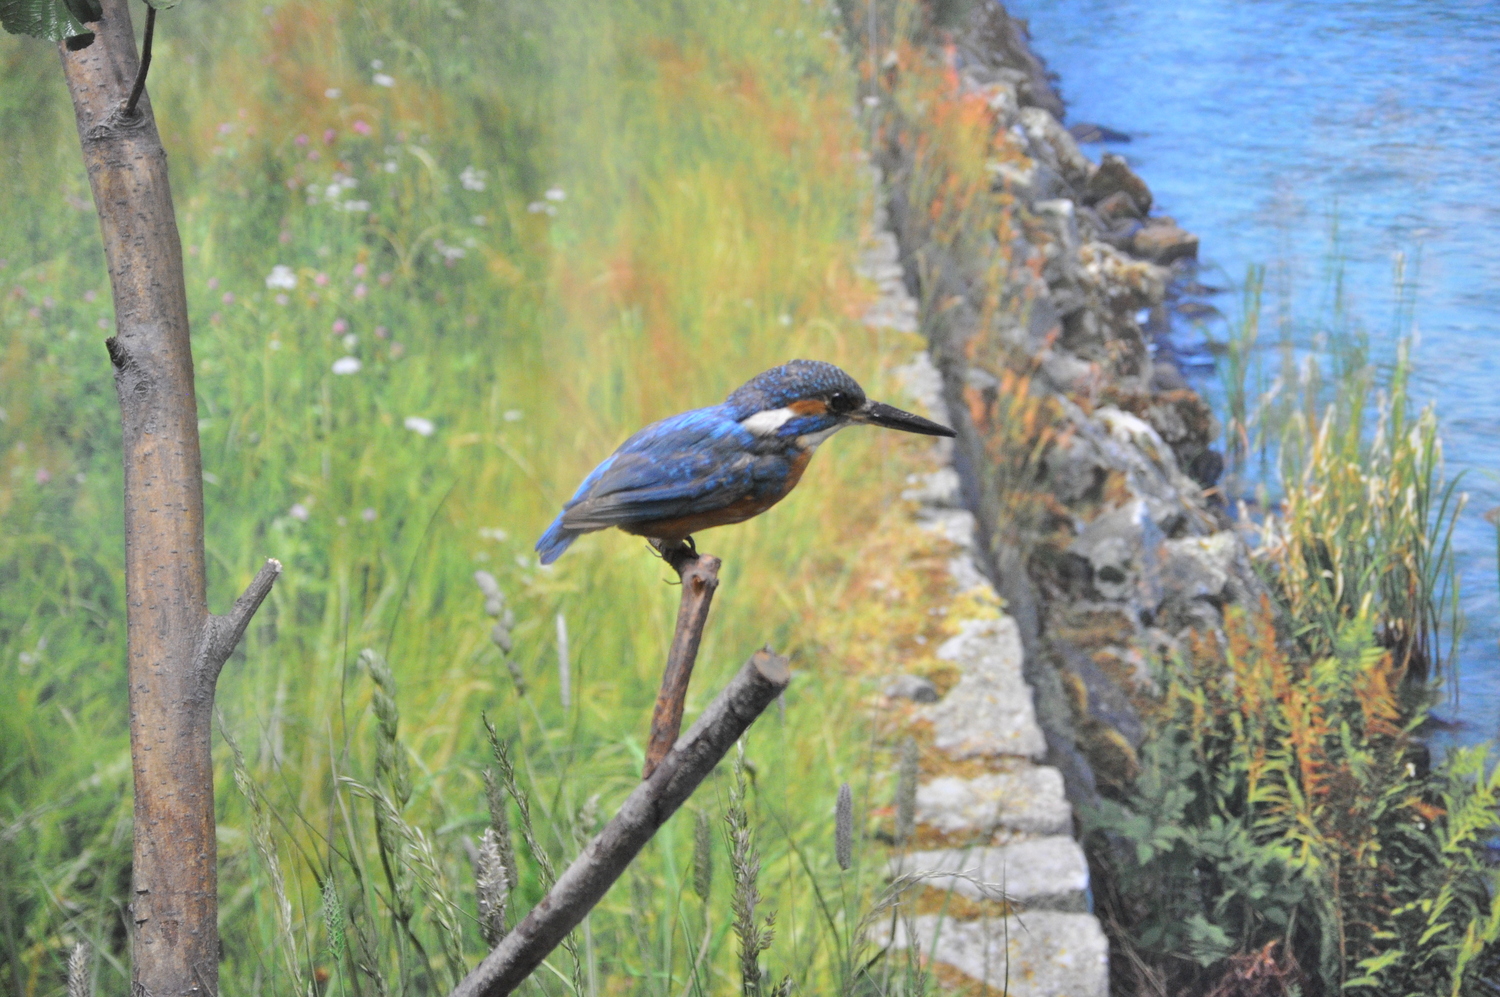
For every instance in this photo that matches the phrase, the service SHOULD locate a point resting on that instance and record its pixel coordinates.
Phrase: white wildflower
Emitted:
(555, 194)
(333, 93)
(347, 365)
(356, 205)
(382, 80)
(299, 512)
(351, 341)
(473, 179)
(513, 415)
(281, 276)
(419, 425)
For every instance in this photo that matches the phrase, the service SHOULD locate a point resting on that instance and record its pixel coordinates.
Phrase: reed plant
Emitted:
(1285, 805)
(1287, 809)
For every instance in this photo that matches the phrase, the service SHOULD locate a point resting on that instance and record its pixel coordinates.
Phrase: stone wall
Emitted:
(1104, 538)
(999, 886)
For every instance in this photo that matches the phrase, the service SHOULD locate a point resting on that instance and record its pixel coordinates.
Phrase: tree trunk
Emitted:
(176, 648)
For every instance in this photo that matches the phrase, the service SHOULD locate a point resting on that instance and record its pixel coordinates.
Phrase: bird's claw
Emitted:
(676, 553)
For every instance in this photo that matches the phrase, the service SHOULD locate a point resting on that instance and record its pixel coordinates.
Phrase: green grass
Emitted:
(706, 208)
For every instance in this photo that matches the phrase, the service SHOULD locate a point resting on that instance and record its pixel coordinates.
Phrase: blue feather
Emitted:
(701, 462)
(555, 541)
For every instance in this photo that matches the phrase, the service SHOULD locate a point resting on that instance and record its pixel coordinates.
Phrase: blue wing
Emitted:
(689, 463)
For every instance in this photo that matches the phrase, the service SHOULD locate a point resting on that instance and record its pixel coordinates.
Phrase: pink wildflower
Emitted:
(340, 327)
(361, 126)
(328, 136)
(301, 140)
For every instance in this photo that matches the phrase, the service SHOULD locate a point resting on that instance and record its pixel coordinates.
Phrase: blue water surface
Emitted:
(1262, 124)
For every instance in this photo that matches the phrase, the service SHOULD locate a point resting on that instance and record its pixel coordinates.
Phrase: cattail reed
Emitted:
(843, 828)
(703, 856)
(492, 887)
(755, 936)
(564, 676)
(906, 791)
(80, 971)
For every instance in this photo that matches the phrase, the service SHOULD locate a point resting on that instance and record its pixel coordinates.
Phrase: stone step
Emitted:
(1040, 954)
(1030, 800)
(989, 713)
(1039, 873)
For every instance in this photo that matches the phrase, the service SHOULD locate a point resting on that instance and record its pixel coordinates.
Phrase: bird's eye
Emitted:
(839, 402)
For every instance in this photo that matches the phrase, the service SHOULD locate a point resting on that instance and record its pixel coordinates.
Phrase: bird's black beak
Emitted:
(881, 414)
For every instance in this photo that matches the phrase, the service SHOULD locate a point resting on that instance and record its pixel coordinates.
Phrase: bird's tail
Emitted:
(556, 540)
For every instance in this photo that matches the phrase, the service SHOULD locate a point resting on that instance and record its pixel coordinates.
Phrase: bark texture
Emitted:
(642, 814)
(700, 579)
(176, 647)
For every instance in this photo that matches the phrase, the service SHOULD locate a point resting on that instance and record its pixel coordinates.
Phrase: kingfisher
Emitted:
(725, 463)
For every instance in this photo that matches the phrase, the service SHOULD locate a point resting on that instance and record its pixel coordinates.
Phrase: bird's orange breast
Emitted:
(738, 511)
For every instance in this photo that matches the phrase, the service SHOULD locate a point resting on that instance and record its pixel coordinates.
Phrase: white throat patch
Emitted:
(810, 441)
(766, 423)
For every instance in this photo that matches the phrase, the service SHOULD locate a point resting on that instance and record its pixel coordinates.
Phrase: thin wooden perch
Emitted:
(700, 579)
(644, 811)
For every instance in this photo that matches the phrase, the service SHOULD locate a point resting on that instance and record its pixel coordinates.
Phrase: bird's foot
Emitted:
(677, 553)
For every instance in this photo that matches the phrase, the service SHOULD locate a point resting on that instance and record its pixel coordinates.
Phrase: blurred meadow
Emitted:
(441, 259)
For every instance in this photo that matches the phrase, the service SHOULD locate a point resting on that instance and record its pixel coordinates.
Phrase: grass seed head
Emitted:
(843, 828)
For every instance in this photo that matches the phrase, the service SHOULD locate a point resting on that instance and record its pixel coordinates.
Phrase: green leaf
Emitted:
(85, 11)
(47, 19)
(163, 4)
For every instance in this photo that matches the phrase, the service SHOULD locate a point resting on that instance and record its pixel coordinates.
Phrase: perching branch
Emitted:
(700, 578)
(642, 814)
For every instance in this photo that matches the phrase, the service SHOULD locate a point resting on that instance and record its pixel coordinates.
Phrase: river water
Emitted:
(1264, 126)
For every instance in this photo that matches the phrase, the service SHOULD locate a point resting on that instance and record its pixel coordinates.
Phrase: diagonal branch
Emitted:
(700, 579)
(644, 811)
(222, 633)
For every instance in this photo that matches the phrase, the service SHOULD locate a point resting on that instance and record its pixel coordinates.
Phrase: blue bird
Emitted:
(725, 463)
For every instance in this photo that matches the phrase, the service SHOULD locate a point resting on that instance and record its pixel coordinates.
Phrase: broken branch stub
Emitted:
(700, 579)
(644, 811)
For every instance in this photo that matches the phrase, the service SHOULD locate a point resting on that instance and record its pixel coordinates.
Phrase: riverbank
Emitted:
(1089, 467)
